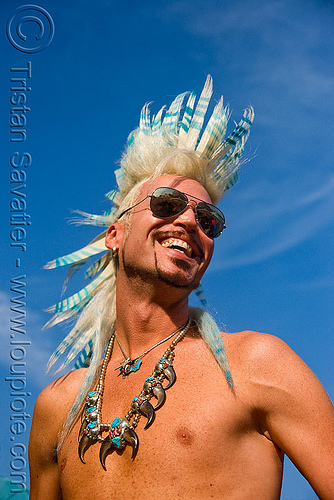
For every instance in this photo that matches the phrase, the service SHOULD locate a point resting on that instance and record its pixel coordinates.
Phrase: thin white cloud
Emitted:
(38, 351)
(284, 41)
(214, 17)
(267, 225)
(312, 285)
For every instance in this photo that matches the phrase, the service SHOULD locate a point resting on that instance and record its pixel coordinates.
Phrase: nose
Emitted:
(187, 218)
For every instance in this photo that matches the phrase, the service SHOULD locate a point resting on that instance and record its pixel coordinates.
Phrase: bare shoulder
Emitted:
(51, 408)
(58, 398)
(254, 343)
(273, 376)
(293, 408)
(264, 356)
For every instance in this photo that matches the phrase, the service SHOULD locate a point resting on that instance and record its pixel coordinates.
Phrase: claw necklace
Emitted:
(130, 365)
(121, 432)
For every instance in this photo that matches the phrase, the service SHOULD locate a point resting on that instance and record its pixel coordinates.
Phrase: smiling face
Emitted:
(175, 251)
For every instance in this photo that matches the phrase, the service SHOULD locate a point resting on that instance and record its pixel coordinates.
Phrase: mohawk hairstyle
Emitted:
(174, 141)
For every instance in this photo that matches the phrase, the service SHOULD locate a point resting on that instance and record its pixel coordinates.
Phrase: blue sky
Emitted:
(272, 269)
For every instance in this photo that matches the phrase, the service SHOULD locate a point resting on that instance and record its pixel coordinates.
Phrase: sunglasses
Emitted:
(166, 202)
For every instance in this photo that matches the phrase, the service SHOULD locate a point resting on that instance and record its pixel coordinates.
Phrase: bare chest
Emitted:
(200, 439)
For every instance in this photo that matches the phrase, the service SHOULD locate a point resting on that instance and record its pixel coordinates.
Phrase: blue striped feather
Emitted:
(232, 179)
(74, 268)
(187, 115)
(170, 123)
(145, 120)
(91, 219)
(83, 360)
(65, 344)
(238, 133)
(94, 247)
(80, 342)
(109, 214)
(111, 194)
(200, 295)
(101, 263)
(157, 122)
(226, 165)
(82, 295)
(214, 131)
(197, 120)
(66, 315)
(119, 172)
(212, 336)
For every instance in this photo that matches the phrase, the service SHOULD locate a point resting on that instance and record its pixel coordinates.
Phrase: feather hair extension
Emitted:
(74, 268)
(65, 344)
(85, 357)
(186, 119)
(145, 120)
(197, 120)
(233, 139)
(66, 315)
(98, 265)
(212, 336)
(199, 292)
(214, 131)
(80, 296)
(95, 246)
(172, 115)
(156, 123)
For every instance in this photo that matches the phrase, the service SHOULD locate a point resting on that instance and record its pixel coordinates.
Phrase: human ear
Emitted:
(115, 235)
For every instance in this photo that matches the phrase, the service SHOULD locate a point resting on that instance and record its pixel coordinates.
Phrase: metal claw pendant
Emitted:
(90, 429)
(164, 366)
(143, 406)
(120, 435)
(84, 443)
(153, 385)
(88, 435)
(82, 428)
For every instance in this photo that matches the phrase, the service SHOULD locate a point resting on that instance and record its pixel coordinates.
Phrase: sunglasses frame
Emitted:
(183, 197)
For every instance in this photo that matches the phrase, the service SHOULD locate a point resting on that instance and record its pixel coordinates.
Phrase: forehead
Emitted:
(184, 184)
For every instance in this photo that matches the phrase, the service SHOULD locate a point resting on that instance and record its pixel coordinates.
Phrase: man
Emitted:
(160, 418)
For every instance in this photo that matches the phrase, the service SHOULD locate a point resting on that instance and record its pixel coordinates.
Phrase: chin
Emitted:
(178, 279)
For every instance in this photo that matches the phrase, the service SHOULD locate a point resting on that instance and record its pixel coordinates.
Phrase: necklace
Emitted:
(121, 432)
(130, 365)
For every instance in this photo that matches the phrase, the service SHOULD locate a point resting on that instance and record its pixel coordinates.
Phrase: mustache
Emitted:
(176, 233)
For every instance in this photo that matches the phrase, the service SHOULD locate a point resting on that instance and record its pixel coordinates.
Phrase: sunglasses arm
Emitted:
(133, 206)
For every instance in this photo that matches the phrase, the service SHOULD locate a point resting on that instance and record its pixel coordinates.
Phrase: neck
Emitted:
(146, 315)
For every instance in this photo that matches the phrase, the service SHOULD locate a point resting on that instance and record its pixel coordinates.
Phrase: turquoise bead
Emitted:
(116, 442)
(115, 423)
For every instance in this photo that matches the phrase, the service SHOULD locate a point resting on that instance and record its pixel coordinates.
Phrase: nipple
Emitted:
(184, 436)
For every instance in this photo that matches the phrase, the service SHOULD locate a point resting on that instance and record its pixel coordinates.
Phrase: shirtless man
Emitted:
(213, 436)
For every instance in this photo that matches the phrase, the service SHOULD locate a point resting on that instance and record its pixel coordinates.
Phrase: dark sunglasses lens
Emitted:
(167, 202)
(211, 219)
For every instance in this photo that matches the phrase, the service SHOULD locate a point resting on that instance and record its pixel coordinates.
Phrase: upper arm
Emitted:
(44, 480)
(299, 415)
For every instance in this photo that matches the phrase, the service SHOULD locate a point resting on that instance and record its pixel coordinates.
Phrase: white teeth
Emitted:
(180, 245)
